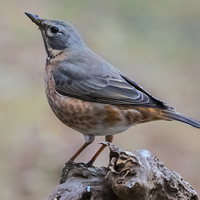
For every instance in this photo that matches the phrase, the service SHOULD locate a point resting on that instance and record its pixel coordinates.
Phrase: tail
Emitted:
(172, 115)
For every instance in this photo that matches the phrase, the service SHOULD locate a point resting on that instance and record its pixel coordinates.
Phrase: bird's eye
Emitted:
(54, 29)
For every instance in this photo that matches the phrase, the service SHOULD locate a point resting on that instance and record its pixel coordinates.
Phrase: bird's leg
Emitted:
(108, 138)
(88, 140)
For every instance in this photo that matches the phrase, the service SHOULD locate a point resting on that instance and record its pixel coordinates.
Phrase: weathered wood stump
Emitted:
(130, 176)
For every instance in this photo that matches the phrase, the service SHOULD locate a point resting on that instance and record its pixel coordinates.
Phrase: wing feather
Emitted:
(103, 84)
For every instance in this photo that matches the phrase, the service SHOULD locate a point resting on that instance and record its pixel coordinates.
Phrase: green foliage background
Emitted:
(156, 43)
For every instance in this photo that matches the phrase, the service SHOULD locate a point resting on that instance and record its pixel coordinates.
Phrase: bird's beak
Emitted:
(35, 19)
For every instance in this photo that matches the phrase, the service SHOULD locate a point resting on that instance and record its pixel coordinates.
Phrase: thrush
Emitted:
(91, 96)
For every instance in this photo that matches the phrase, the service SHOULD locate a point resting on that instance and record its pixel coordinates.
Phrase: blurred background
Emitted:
(156, 43)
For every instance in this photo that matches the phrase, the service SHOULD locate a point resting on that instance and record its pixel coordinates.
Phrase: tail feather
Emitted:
(171, 115)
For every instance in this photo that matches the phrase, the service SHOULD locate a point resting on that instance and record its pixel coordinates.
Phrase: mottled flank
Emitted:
(133, 116)
(112, 115)
(149, 114)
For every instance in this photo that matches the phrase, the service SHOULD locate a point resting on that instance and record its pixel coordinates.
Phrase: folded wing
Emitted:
(108, 87)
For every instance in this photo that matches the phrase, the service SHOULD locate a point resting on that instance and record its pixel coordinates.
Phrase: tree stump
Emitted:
(130, 176)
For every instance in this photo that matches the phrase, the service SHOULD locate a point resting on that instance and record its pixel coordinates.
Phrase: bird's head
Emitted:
(57, 35)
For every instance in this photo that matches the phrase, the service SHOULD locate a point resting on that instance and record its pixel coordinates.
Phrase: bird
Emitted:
(91, 96)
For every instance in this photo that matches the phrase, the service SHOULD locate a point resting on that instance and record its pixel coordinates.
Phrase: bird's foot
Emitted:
(89, 164)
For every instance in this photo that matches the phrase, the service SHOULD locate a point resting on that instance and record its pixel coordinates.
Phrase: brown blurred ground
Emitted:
(156, 43)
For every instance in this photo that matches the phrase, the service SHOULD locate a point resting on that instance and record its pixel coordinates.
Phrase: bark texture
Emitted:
(130, 176)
